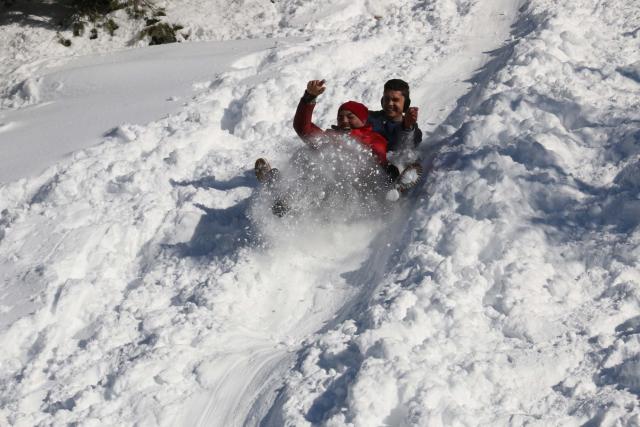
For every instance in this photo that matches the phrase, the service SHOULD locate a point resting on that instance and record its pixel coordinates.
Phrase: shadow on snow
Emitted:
(220, 232)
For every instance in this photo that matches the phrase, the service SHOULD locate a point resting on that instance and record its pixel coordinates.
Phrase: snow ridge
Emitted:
(506, 293)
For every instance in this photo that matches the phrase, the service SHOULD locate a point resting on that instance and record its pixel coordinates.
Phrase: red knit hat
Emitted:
(356, 108)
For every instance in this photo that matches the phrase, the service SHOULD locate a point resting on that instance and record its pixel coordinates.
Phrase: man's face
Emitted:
(393, 104)
(348, 120)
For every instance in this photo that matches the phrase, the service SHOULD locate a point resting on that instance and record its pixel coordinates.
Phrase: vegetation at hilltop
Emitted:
(91, 18)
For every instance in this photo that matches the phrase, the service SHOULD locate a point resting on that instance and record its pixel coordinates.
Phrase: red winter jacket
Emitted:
(306, 130)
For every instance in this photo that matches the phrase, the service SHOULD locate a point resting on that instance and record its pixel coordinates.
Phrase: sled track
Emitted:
(477, 67)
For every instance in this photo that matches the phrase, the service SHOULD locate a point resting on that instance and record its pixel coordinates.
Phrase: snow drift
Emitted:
(135, 290)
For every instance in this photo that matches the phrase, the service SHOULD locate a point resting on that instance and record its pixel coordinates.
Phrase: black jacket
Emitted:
(394, 133)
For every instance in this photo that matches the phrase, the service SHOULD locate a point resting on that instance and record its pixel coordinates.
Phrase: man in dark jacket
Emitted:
(396, 114)
(397, 122)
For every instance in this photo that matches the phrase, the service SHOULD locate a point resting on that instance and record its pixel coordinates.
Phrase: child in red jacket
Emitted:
(351, 121)
(351, 128)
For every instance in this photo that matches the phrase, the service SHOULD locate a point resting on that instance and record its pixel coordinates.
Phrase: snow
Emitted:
(140, 284)
(147, 85)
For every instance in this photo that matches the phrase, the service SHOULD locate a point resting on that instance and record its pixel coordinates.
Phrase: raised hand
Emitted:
(315, 87)
(410, 117)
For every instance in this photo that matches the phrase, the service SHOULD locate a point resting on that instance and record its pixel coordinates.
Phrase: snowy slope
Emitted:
(78, 103)
(504, 291)
(515, 300)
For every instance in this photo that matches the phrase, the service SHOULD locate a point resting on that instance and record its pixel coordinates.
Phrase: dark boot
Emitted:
(264, 172)
(280, 208)
(262, 168)
(409, 177)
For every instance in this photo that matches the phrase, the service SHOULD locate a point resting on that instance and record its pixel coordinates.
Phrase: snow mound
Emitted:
(136, 289)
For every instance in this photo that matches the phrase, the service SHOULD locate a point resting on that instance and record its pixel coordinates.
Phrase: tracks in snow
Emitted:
(245, 387)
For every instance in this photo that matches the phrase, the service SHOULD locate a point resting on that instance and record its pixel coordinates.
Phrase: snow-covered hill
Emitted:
(142, 286)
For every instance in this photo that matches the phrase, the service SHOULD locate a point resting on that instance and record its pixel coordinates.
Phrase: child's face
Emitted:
(348, 120)
(393, 104)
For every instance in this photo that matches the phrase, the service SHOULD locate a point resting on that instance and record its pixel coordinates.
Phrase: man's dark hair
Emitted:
(402, 86)
(397, 84)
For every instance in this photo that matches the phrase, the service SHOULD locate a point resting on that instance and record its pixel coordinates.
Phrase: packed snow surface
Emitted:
(144, 280)
(75, 105)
